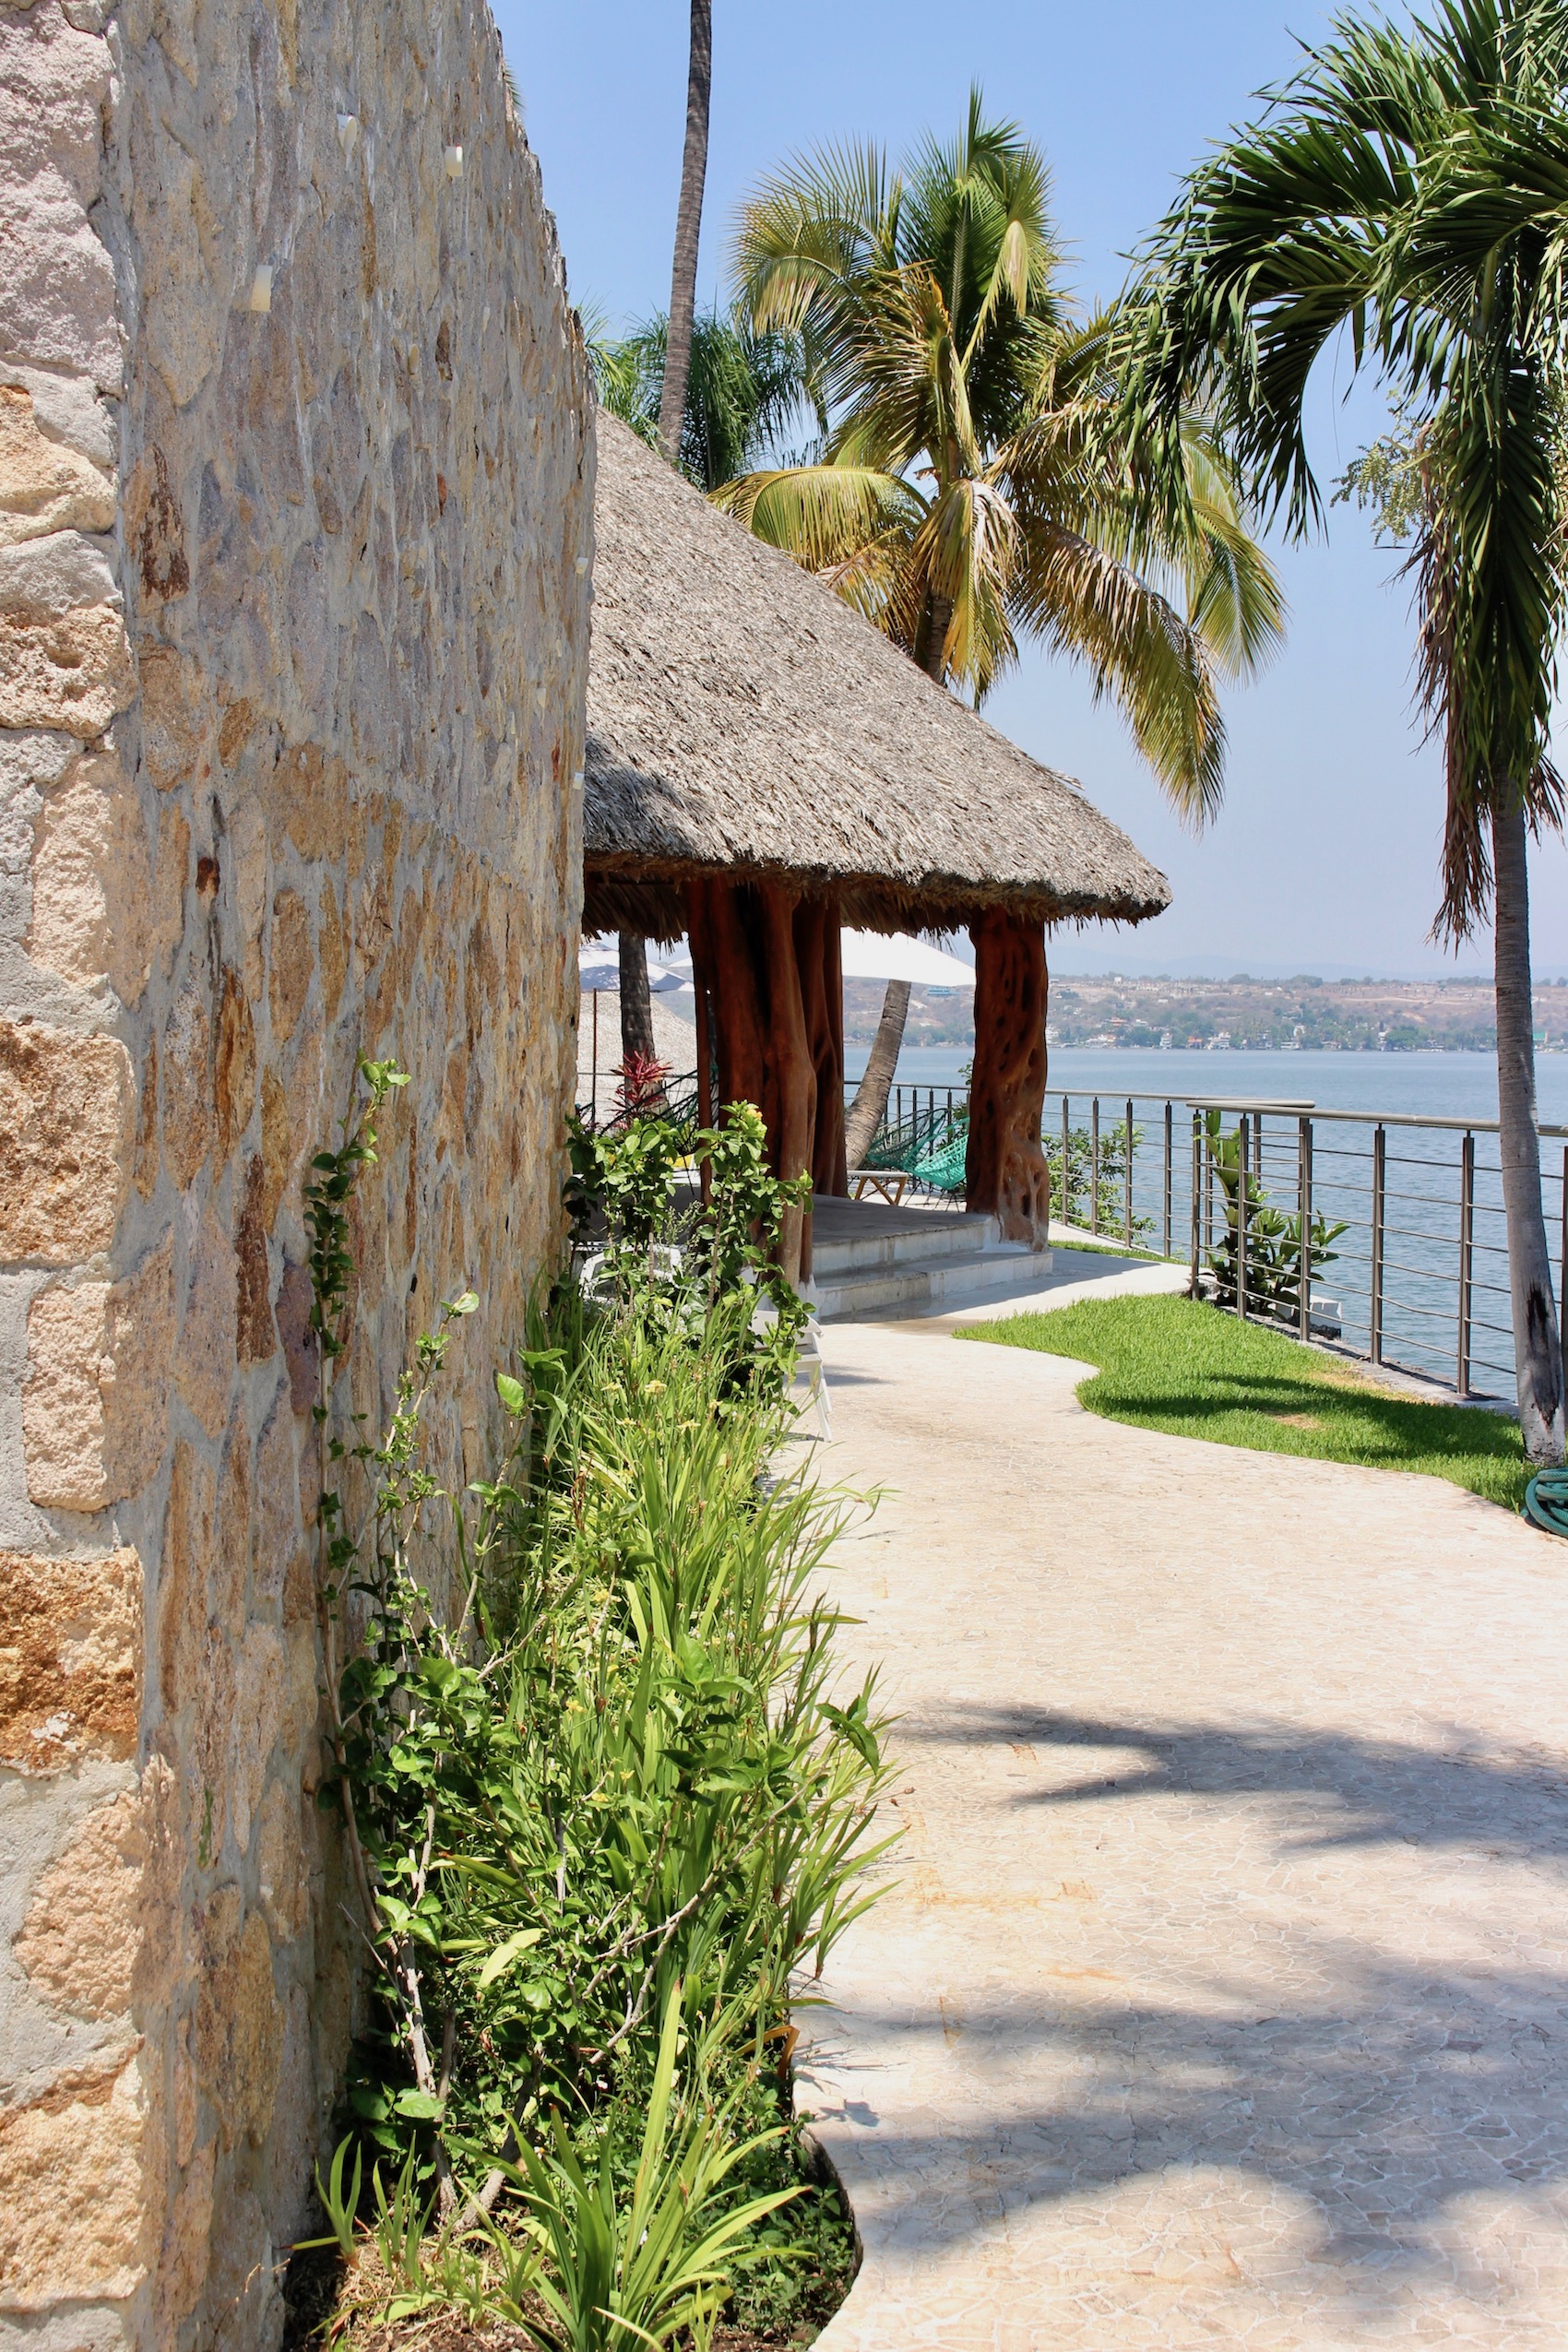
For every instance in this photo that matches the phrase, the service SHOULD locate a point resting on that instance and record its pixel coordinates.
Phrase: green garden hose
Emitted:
(1546, 1501)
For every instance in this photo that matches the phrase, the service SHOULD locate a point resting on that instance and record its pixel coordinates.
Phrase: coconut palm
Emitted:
(973, 484)
(636, 1007)
(1408, 184)
(743, 392)
(688, 227)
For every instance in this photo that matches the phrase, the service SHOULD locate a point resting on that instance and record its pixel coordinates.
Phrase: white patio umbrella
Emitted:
(599, 972)
(867, 954)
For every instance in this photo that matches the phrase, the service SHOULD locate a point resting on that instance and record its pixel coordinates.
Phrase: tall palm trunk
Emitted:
(636, 1005)
(688, 230)
(870, 1106)
(870, 1096)
(636, 1011)
(1536, 1339)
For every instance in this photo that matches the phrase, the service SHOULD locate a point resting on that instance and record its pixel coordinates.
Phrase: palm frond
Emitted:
(823, 515)
(1139, 651)
(963, 557)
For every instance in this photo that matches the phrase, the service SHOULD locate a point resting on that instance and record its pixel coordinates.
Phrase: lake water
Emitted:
(1437, 1295)
(1429, 1085)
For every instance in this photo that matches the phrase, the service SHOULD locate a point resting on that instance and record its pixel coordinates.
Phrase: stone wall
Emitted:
(294, 620)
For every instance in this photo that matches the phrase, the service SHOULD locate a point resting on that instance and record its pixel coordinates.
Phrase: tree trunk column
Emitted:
(818, 958)
(1005, 1174)
(1537, 1343)
(870, 1106)
(743, 941)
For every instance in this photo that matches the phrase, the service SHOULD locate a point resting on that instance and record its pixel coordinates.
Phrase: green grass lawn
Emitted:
(1136, 1256)
(1177, 1364)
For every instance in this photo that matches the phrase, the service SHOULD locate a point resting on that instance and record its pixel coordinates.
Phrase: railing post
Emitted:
(1127, 1177)
(1466, 1261)
(1197, 1205)
(1244, 1165)
(1066, 1168)
(1380, 1147)
(1304, 1190)
(1563, 1258)
(1094, 1165)
(1208, 1188)
(1169, 1137)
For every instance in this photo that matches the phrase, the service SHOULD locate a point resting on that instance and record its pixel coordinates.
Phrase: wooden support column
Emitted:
(791, 1106)
(743, 940)
(724, 933)
(1005, 1173)
(822, 994)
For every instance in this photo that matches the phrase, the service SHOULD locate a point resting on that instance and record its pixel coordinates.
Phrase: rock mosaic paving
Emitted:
(1221, 1996)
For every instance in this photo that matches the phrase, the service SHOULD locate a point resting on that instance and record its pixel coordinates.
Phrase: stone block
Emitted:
(257, 1332)
(92, 880)
(278, 1515)
(187, 1088)
(57, 294)
(79, 1942)
(187, 2251)
(173, 716)
(280, 1867)
(66, 1102)
(294, 2140)
(184, 1608)
(95, 1404)
(73, 2215)
(256, 1722)
(308, 799)
(292, 964)
(68, 409)
(155, 530)
(44, 485)
(233, 1065)
(204, 1369)
(238, 2028)
(64, 657)
(70, 1643)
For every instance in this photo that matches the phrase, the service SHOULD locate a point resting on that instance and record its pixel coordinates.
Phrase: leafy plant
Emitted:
(647, 2268)
(641, 1089)
(614, 1792)
(1072, 1177)
(1273, 1239)
(679, 1256)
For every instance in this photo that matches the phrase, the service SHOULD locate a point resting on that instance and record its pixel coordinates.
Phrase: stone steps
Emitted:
(919, 1265)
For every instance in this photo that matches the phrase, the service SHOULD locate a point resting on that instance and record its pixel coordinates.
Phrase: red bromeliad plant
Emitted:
(640, 1094)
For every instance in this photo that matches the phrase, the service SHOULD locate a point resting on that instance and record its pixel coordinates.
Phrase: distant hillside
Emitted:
(1365, 1016)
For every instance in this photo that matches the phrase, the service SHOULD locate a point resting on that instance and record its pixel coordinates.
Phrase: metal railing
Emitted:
(1418, 1279)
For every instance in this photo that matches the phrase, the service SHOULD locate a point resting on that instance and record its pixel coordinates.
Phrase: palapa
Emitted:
(763, 766)
(742, 719)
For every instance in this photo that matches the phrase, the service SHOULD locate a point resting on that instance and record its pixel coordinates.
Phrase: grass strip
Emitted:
(1180, 1365)
(1132, 1256)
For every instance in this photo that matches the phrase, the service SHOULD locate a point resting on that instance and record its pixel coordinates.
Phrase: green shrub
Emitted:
(612, 1797)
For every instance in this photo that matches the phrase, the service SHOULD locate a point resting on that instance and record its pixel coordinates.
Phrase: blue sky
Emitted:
(1324, 857)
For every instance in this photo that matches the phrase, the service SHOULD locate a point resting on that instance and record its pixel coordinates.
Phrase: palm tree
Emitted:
(1408, 184)
(741, 393)
(688, 228)
(973, 483)
(636, 1007)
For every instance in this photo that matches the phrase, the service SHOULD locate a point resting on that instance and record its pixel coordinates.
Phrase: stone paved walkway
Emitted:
(1223, 1995)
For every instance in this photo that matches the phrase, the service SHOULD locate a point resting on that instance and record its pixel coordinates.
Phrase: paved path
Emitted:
(1223, 1995)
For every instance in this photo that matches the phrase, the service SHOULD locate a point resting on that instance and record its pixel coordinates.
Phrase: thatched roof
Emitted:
(740, 715)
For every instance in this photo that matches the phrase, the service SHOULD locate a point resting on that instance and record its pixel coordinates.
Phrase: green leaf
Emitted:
(419, 2107)
(503, 1958)
(513, 1394)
